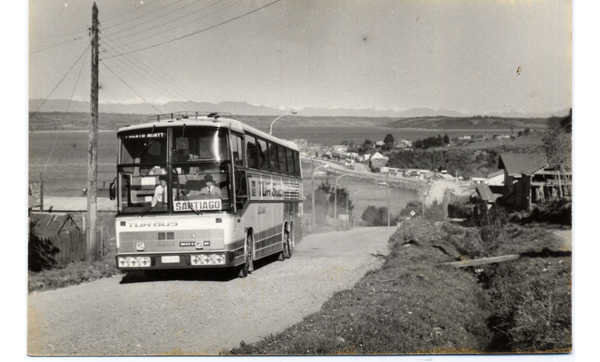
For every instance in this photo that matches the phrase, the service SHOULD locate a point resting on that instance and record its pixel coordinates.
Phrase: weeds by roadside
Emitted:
(414, 305)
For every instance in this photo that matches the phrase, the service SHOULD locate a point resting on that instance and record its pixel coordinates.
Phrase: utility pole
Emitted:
(389, 206)
(93, 143)
(312, 191)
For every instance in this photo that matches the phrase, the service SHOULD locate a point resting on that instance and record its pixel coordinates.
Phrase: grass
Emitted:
(412, 305)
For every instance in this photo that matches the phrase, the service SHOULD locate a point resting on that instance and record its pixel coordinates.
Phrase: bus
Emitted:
(202, 191)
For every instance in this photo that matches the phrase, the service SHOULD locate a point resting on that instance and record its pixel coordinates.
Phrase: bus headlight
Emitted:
(208, 259)
(134, 262)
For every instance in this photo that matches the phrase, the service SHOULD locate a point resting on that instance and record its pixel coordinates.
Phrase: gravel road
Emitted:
(203, 313)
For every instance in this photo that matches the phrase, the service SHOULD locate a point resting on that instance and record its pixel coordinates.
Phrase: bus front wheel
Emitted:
(248, 264)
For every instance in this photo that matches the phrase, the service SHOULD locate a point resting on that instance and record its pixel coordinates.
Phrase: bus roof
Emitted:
(211, 120)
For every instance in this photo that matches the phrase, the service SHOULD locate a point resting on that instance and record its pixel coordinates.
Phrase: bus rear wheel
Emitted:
(287, 246)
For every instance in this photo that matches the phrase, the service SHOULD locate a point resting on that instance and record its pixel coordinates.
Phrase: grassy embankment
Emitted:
(415, 305)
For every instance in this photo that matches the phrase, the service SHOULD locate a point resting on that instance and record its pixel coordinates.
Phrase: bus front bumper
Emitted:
(213, 259)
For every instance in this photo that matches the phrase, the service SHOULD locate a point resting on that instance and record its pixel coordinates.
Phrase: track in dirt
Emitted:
(201, 313)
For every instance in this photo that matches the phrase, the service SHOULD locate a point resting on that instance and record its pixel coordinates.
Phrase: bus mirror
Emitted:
(112, 191)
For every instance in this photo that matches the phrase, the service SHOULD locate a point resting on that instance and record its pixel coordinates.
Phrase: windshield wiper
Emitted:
(149, 143)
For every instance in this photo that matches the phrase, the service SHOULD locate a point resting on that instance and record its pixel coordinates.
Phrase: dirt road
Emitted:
(200, 314)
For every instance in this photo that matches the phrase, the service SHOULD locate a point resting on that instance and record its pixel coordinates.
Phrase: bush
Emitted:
(40, 253)
(435, 212)
(374, 216)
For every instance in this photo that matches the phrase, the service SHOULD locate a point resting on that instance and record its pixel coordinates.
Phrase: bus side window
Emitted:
(241, 192)
(274, 164)
(236, 147)
(290, 162)
(251, 152)
(282, 166)
(297, 163)
(263, 156)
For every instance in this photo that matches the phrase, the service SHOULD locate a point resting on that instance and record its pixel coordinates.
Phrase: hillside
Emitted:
(111, 121)
(470, 123)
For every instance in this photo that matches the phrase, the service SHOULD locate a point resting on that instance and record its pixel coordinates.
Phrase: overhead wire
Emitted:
(76, 82)
(158, 26)
(130, 11)
(143, 15)
(148, 78)
(150, 20)
(199, 31)
(133, 56)
(128, 86)
(60, 82)
(57, 45)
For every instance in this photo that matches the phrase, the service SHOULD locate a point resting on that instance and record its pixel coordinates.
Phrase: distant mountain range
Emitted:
(243, 108)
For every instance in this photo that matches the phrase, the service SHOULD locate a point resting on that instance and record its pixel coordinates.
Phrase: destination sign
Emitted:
(197, 205)
(146, 135)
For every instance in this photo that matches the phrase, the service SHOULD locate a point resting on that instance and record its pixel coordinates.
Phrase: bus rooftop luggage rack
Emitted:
(176, 116)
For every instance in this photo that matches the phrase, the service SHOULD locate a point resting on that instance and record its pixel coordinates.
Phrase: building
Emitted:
(528, 179)
(341, 149)
(378, 160)
(495, 181)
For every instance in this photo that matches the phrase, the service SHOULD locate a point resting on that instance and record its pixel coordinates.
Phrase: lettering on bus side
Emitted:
(140, 224)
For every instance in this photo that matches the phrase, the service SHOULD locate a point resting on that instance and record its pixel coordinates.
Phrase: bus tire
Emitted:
(287, 246)
(248, 265)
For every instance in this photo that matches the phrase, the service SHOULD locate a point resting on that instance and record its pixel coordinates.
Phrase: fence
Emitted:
(69, 248)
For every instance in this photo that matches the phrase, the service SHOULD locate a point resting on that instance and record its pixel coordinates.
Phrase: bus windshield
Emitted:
(198, 164)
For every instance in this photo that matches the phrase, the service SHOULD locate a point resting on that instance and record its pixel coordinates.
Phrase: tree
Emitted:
(557, 146)
(446, 139)
(567, 123)
(373, 216)
(389, 141)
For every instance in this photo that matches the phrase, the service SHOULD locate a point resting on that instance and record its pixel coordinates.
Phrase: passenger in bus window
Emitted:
(210, 188)
(160, 193)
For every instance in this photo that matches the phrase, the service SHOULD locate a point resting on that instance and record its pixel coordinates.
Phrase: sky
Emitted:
(469, 56)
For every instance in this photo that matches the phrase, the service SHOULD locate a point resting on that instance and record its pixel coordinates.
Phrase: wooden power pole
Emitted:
(93, 144)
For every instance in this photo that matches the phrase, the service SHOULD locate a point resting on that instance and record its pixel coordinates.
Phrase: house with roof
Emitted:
(529, 179)
(378, 160)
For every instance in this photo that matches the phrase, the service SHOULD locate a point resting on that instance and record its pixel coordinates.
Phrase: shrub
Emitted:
(40, 252)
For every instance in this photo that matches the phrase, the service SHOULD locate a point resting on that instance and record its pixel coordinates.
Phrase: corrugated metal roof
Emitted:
(484, 191)
(49, 224)
(516, 164)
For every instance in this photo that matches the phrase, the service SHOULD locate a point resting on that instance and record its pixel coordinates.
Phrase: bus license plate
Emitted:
(169, 259)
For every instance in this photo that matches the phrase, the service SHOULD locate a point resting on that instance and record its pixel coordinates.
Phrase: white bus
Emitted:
(201, 191)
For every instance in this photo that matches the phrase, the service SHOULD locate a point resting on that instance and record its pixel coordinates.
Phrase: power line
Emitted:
(133, 90)
(57, 45)
(130, 11)
(76, 82)
(59, 83)
(152, 19)
(147, 78)
(199, 31)
(157, 71)
(168, 22)
(144, 15)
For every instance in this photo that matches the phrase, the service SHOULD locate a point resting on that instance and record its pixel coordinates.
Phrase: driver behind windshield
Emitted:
(210, 188)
